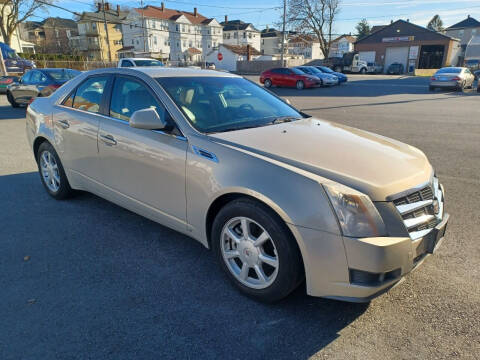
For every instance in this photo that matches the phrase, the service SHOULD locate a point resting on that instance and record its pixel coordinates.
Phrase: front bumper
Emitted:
(358, 270)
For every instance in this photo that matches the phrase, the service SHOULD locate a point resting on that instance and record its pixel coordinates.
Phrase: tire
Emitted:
(267, 83)
(431, 88)
(300, 85)
(461, 87)
(337, 69)
(46, 155)
(12, 101)
(363, 71)
(280, 245)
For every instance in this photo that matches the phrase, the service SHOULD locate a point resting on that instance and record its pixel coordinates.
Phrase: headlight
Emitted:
(356, 213)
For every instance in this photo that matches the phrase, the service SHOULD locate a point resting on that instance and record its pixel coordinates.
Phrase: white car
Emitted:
(135, 62)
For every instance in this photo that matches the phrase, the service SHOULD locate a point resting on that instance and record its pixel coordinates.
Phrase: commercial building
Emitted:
(169, 34)
(413, 46)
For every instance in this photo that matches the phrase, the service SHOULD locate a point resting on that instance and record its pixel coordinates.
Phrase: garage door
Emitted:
(396, 55)
(368, 56)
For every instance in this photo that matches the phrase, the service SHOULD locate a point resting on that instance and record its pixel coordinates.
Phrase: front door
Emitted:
(146, 168)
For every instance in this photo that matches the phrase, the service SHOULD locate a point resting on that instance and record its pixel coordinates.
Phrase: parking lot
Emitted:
(87, 279)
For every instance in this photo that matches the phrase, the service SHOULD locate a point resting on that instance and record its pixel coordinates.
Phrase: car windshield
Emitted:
(298, 71)
(11, 54)
(314, 70)
(326, 69)
(449, 71)
(217, 104)
(63, 74)
(148, 62)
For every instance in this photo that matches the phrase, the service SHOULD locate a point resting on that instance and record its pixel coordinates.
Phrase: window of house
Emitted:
(461, 33)
(153, 24)
(177, 28)
(235, 35)
(94, 26)
(244, 35)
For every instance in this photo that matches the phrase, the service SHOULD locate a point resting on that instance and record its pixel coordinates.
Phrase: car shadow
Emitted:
(85, 278)
(8, 112)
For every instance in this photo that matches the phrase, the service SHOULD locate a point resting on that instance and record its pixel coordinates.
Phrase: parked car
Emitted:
(374, 68)
(289, 77)
(457, 78)
(477, 74)
(38, 83)
(395, 69)
(13, 62)
(218, 158)
(341, 77)
(134, 62)
(325, 79)
(5, 81)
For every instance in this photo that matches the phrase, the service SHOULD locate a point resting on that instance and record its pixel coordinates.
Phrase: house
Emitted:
(413, 46)
(16, 42)
(226, 56)
(306, 46)
(271, 41)
(91, 41)
(465, 30)
(237, 32)
(176, 35)
(341, 45)
(52, 35)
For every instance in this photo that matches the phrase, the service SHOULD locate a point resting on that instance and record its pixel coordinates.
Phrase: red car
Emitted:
(290, 77)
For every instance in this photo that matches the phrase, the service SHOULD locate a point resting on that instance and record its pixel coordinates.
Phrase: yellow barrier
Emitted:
(425, 72)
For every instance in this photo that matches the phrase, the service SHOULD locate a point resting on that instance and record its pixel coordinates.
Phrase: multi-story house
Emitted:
(179, 36)
(306, 46)
(237, 32)
(271, 41)
(91, 41)
(52, 35)
(341, 45)
(465, 30)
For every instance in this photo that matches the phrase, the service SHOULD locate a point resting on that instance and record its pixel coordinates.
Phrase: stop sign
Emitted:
(220, 56)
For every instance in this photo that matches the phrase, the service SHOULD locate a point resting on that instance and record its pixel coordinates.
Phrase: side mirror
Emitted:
(147, 119)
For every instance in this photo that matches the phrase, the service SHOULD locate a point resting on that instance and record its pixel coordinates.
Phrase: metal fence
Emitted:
(77, 65)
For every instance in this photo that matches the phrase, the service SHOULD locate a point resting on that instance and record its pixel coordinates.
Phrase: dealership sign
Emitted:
(398, 38)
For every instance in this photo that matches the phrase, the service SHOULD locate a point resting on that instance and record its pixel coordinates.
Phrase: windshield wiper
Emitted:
(284, 119)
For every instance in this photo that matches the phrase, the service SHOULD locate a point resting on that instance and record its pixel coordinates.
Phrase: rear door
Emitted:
(146, 167)
(76, 123)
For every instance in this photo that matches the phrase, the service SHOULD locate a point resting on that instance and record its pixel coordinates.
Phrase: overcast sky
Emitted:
(268, 12)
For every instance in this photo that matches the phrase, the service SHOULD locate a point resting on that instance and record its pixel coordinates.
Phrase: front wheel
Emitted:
(256, 250)
(12, 101)
(363, 71)
(431, 88)
(52, 173)
(267, 83)
(300, 85)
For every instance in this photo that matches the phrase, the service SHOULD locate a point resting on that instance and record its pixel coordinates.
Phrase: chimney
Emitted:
(118, 9)
(99, 6)
(226, 18)
(107, 6)
(408, 20)
(195, 11)
(468, 16)
(162, 7)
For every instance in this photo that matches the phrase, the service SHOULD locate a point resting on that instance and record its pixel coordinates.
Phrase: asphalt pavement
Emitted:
(86, 279)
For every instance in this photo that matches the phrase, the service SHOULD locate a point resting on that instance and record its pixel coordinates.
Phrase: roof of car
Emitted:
(138, 59)
(172, 71)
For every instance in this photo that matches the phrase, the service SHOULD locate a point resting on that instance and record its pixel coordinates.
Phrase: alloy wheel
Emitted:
(50, 171)
(249, 253)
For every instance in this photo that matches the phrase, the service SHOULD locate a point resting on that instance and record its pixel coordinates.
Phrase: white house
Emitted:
(341, 45)
(237, 32)
(230, 54)
(170, 34)
(17, 43)
(306, 46)
(271, 42)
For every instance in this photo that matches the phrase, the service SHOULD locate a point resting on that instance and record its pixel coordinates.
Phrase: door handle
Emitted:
(108, 139)
(63, 123)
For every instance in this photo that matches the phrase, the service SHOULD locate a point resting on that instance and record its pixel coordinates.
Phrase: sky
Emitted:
(269, 12)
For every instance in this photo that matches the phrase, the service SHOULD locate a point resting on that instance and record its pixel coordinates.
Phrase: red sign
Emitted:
(220, 56)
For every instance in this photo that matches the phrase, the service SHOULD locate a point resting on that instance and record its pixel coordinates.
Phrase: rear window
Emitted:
(148, 63)
(63, 74)
(449, 71)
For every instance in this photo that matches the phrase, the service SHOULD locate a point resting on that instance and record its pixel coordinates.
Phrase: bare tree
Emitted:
(315, 17)
(14, 12)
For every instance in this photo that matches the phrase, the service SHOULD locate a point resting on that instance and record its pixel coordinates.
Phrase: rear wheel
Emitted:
(461, 87)
(337, 69)
(363, 71)
(52, 173)
(11, 100)
(256, 250)
(431, 88)
(267, 83)
(300, 85)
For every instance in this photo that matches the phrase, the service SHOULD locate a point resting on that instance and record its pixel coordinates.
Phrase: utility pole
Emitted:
(106, 30)
(3, 69)
(143, 26)
(283, 30)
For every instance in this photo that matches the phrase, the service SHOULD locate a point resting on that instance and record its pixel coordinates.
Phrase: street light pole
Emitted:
(283, 30)
(143, 26)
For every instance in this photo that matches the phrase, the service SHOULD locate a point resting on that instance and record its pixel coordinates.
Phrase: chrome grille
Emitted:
(421, 210)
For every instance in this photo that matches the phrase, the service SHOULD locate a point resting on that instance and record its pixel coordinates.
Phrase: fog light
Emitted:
(366, 278)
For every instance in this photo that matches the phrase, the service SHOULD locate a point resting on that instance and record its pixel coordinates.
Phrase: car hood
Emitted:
(370, 163)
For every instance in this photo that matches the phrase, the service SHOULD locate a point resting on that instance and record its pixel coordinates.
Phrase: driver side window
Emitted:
(26, 78)
(127, 63)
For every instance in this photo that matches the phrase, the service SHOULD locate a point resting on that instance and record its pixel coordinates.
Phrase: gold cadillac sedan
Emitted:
(279, 196)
